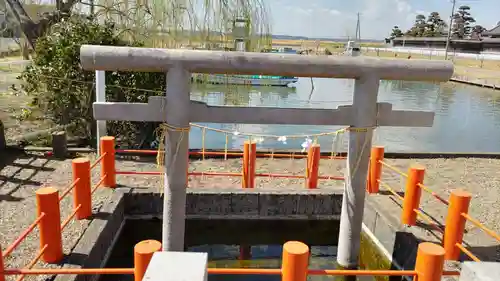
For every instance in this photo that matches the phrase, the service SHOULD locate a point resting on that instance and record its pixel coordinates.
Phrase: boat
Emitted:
(250, 80)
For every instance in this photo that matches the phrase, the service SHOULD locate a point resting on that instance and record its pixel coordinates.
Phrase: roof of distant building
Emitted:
(494, 31)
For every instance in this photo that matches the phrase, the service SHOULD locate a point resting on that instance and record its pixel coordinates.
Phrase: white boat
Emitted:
(250, 80)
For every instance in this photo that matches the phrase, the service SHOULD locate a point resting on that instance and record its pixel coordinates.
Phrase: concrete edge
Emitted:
(240, 203)
(478, 84)
(383, 251)
(91, 250)
(398, 243)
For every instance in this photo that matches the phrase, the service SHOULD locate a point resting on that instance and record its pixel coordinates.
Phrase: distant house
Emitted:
(491, 44)
(493, 33)
(459, 45)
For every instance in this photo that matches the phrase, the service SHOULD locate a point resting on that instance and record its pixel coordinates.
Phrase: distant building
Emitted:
(493, 33)
(458, 45)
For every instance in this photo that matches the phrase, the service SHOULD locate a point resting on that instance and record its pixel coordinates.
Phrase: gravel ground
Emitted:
(480, 177)
(22, 174)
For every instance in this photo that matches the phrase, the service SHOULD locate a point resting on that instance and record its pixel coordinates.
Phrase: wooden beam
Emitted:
(154, 111)
(199, 61)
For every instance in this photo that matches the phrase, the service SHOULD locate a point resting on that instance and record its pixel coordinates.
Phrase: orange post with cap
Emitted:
(413, 193)
(312, 169)
(430, 262)
(455, 223)
(143, 252)
(245, 252)
(295, 261)
(376, 156)
(82, 194)
(249, 162)
(108, 169)
(2, 265)
(47, 199)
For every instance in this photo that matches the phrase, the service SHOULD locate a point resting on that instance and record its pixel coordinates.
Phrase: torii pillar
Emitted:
(177, 110)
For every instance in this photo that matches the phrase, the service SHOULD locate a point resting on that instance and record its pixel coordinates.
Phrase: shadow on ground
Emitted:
(13, 164)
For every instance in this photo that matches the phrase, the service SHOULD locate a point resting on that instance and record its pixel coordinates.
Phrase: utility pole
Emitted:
(358, 30)
(449, 29)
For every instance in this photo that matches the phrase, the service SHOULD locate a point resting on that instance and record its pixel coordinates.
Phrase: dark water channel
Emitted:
(221, 239)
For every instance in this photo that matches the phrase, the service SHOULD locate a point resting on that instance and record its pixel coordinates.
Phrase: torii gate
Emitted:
(177, 110)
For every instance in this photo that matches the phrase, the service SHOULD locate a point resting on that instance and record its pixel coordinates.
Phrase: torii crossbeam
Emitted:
(177, 110)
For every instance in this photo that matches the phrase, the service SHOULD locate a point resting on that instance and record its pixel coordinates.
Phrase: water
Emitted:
(467, 118)
(221, 239)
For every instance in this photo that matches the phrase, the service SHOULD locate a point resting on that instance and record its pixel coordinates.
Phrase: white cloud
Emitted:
(334, 12)
(336, 18)
(403, 6)
(383, 17)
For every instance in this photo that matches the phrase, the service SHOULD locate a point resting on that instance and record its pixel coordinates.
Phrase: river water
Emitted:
(467, 118)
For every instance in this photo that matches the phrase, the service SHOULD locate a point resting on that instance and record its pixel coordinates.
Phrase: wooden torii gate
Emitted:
(177, 110)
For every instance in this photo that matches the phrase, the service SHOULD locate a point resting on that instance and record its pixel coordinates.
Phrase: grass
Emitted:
(322, 44)
(371, 257)
(483, 71)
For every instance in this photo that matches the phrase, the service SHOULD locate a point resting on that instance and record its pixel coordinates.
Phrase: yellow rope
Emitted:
(358, 161)
(203, 133)
(162, 132)
(270, 136)
(225, 146)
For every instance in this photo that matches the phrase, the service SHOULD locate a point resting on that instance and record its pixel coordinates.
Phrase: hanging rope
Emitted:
(162, 132)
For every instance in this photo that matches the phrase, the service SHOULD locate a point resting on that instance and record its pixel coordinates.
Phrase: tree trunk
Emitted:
(32, 30)
(25, 49)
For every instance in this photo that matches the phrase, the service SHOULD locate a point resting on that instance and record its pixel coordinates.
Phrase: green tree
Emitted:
(435, 26)
(149, 20)
(64, 92)
(419, 27)
(462, 21)
(396, 32)
(477, 31)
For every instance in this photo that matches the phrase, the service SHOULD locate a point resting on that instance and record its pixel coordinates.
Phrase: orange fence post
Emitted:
(377, 155)
(82, 193)
(430, 262)
(245, 252)
(249, 161)
(252, 163)
(455, 223)
(413, 192)
(47, 199)
(143, 252)
(108, 161)
(295, 261)
(313, 157)
(246, 157)
(2, 265)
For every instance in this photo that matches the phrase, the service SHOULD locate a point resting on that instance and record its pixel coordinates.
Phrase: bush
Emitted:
(64, 92)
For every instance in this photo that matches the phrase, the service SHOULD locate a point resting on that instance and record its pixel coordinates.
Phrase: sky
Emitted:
(337, 18)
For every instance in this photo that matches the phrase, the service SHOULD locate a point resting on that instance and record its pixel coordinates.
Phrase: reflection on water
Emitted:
(467, 118)
(221, 240)
(264, 256)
